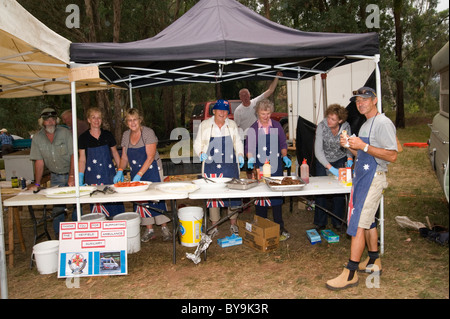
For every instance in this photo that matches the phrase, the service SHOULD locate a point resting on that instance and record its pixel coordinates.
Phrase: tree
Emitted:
(411, 31)
(400, 115)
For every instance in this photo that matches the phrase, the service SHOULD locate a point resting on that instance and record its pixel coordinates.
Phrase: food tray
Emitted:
(286, 188)
(242, 183)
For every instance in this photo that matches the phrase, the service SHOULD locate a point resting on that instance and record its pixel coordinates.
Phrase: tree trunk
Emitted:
(118, 94)
(169, 112)
(400, 110)
(183, 109)
(92, 23)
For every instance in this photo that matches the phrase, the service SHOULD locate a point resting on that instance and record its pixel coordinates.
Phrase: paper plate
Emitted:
(132, 189)
(68, 191)
(178, 188)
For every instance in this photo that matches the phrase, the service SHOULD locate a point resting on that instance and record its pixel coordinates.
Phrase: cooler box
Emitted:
(20, 163)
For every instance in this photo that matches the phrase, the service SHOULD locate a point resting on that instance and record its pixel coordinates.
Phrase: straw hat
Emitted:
(4, 130)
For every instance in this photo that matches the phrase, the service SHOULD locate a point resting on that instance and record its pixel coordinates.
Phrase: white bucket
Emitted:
(93, 216)
(46, 256)
(191, 219)
(133, 230)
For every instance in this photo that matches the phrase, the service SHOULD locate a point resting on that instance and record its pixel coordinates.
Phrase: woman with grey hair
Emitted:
(266, 141)
(139, 149)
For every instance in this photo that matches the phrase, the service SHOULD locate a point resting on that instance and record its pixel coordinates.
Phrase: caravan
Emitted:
(438, 142)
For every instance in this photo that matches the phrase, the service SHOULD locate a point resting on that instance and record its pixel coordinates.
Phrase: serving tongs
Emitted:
(208, 180)
(106, 190)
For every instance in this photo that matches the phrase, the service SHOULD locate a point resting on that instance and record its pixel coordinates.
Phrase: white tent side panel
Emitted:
(340, 84)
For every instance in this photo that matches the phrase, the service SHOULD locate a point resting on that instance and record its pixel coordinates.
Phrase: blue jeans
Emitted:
(59, 211)
(333, 203)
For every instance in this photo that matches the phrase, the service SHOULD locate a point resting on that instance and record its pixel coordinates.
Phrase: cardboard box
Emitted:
(232, 240)
(261, 234)
(330, 236)
(313, 236)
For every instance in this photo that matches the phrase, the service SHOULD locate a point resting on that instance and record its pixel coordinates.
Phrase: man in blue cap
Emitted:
(221, 151)
(374, 148)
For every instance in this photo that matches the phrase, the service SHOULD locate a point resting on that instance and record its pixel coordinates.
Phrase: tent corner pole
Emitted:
(73, 94)
(378, 81)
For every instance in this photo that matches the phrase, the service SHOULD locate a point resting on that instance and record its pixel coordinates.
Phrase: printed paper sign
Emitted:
(92, 248)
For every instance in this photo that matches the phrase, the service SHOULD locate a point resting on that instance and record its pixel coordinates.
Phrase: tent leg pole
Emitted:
(73, 94)
(380, 109)
(3, 275)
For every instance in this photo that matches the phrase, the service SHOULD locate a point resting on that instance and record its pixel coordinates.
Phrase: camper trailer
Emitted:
(438, 142)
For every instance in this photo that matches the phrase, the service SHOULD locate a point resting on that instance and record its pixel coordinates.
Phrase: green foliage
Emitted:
(424, 32)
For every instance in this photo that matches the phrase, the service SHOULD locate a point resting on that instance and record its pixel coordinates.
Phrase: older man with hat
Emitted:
(221, 151)
(52, 147)
(374, 148)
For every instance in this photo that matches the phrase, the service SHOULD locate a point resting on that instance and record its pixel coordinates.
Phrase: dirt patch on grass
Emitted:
(296, 270)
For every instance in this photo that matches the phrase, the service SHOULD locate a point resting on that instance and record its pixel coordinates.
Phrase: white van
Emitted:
(439, 138)
(108, 263)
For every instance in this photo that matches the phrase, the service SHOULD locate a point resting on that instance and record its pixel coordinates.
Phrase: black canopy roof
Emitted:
(222, 40)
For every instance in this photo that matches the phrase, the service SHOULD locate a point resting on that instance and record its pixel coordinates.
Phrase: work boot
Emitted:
(374, 268)
(342, 281)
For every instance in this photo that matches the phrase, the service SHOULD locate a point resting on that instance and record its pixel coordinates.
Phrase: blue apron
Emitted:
(136, 157)
(100, 171)
(365, 169)
(264, 151)
(221, 162)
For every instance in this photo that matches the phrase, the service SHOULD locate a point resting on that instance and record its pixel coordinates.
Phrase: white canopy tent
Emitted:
(34, 61)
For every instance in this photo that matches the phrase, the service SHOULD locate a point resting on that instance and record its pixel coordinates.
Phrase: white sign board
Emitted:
(92, 248)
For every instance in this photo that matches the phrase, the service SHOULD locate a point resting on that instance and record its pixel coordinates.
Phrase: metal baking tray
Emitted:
(242, 183)
(286, 188)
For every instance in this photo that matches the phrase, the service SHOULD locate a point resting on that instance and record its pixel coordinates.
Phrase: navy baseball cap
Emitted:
(222, 105)
(364, 92)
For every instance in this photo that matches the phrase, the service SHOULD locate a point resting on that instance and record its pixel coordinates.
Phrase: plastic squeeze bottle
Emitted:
(267, 169)
(304, 171)
(14, 180)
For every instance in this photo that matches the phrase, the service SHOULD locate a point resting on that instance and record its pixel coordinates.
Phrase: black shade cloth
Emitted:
(207, 43)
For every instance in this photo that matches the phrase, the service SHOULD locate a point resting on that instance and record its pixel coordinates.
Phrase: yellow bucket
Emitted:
(191, 220)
